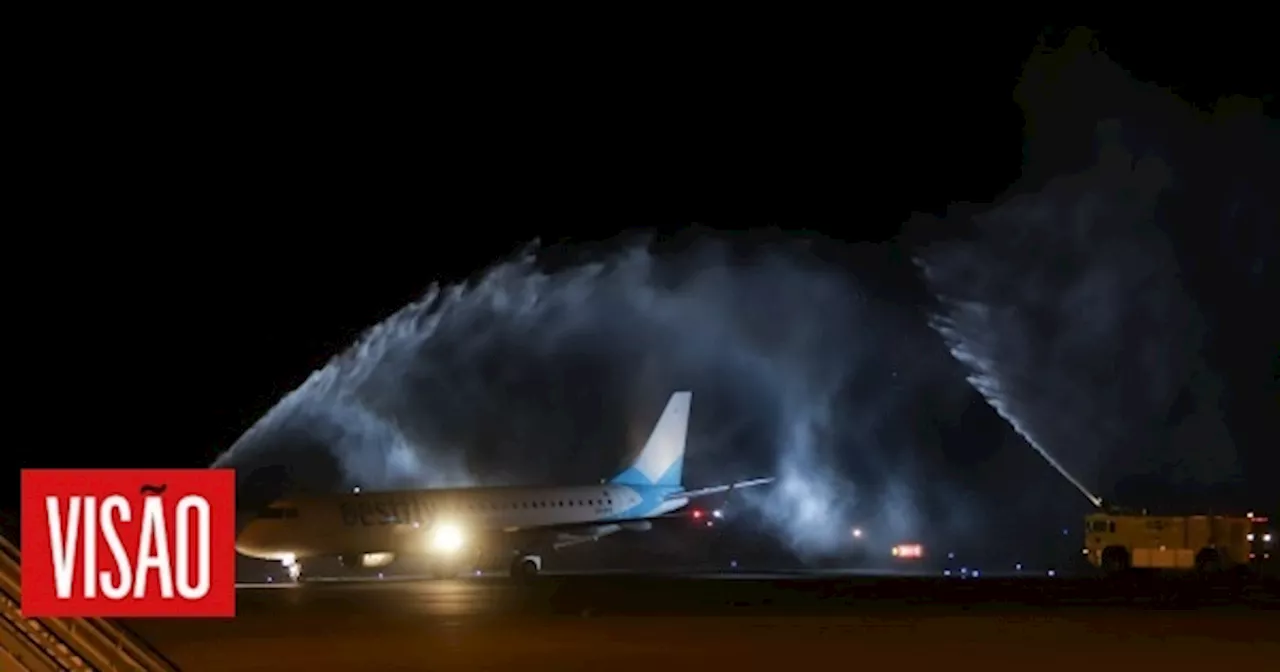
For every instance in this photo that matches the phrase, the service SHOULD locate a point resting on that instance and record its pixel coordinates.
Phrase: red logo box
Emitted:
(128, 543)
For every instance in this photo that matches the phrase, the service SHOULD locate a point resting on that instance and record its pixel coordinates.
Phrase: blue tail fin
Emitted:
(662, 460)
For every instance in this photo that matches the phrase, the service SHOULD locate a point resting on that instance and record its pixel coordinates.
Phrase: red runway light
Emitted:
(908, 551)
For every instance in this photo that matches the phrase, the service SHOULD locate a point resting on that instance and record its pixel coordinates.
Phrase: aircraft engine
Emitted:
(367, 560)
(371, 560)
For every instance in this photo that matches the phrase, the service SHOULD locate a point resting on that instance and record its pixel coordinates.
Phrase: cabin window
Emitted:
(1111, 526)
(611, 502)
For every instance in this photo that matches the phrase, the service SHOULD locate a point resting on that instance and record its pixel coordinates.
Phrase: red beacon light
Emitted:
(697, 513)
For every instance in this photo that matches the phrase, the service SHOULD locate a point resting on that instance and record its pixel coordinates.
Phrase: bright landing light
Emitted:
(446, 538)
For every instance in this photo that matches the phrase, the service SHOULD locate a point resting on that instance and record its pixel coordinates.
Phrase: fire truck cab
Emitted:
(1118, 542)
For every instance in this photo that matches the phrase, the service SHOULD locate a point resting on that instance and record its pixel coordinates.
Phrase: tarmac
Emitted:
(758, 621)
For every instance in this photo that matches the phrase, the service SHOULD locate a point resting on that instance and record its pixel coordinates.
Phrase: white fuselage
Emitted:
(457, 525)
(399, 522)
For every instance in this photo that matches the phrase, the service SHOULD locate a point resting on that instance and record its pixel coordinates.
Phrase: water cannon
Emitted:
(1113, 509)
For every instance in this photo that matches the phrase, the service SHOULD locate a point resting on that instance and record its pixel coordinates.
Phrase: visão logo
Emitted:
(128, 543)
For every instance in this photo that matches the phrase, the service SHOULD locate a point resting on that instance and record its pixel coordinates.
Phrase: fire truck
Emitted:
(1117, 541)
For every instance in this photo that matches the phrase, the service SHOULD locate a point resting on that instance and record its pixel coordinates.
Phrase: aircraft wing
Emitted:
(576, 527)
(717, 489)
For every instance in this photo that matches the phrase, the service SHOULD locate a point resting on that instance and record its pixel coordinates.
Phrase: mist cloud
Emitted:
(534, 376)
(1068, 300)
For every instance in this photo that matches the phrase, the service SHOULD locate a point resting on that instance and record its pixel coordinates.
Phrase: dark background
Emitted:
(204, 234)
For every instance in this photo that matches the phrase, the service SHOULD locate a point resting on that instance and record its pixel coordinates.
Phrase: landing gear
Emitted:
(525, 567)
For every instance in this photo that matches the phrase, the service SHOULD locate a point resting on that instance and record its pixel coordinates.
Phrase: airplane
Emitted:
(450, 528)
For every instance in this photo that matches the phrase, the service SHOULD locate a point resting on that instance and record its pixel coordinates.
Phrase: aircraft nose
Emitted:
(248, 539)
(255, 491)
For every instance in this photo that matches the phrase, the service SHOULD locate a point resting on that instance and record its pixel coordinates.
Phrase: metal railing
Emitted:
(19, 649)
(69, 643)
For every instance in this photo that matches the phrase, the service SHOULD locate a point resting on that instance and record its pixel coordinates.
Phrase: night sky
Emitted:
(239, 235)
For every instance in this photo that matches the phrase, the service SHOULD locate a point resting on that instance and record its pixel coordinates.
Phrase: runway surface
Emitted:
(754, 622)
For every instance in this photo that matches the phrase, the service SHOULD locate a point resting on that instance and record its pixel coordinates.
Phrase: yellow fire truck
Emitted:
(1116, 542)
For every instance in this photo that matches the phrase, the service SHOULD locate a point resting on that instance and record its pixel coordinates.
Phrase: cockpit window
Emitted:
(278, 513)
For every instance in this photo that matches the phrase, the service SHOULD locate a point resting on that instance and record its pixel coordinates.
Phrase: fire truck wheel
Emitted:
(1115, 560)
(1208, 561)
